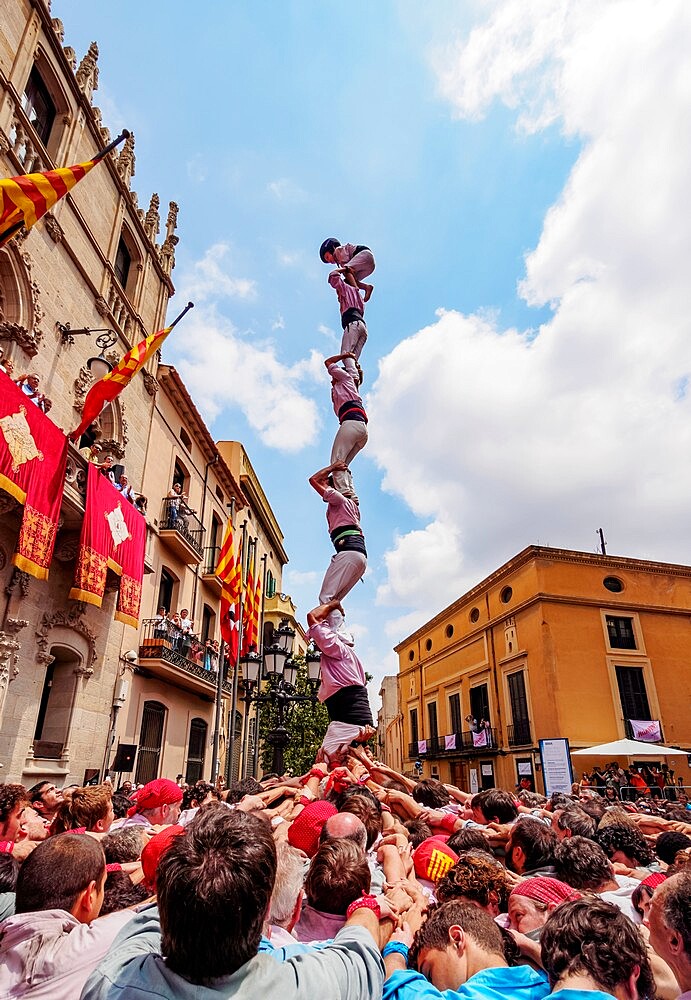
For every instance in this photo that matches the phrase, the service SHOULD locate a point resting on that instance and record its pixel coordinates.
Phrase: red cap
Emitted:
(154, 851)
(545, 890)
(432, 859)
(161, 792)
(304, 831)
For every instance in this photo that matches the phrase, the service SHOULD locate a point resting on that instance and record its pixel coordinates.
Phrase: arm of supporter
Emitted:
(402, 804)
(319, 481)
(389, 858)
(440, 820)
(457, 794)
(335, 280)
(141, 936)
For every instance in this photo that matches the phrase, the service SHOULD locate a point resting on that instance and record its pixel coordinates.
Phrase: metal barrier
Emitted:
(629, 793)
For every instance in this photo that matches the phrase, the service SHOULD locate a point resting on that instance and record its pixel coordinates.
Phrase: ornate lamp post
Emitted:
(279, 670)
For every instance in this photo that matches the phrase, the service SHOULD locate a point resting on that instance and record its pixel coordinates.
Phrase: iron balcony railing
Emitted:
(462, 742)
(519, 733)
(161, 640)
(210, 559)
(176, 515)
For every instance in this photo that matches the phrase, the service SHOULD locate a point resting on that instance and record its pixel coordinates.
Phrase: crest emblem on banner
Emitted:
(118, 526)
(20, 443)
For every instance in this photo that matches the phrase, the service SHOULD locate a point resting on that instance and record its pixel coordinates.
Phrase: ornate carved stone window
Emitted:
(20, 311)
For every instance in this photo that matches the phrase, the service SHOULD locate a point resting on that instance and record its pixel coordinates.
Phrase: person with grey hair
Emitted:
(670, 927)
(286, 898)
(124, 846)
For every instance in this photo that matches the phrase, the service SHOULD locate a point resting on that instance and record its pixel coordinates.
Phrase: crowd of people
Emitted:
(177, 628)
(351, 881)
(632, 782)
(29, 383)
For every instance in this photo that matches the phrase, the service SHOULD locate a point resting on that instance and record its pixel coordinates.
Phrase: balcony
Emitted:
(181, 530)
(457, 743)
(209, 564)
(519, 734)
(179, 657)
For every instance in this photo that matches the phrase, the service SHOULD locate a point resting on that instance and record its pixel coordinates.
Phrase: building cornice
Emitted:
(535, 553)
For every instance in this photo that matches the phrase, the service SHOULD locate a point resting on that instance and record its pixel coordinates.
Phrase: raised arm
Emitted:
(319, 481)
(317, 615)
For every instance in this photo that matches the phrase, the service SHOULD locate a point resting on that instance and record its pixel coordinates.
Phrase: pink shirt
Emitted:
(341, 510)
(348, 297)
(343, 388)
(340, 666)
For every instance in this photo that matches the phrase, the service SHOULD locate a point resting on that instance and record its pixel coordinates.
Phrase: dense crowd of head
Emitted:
(354, 882)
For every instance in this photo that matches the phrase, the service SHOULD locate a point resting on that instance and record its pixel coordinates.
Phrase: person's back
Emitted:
(54, 940)
(214, 886)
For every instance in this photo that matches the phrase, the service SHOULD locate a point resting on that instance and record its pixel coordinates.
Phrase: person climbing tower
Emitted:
(351, 436)
(354, 261)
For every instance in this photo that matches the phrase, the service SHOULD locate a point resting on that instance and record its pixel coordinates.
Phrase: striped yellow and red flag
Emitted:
(24, 199)
(111, 385)
(248, 637)
(228, 572)
(256, 606)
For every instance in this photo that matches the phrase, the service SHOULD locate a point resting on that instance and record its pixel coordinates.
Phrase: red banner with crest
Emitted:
(33, 455)
(113, 537)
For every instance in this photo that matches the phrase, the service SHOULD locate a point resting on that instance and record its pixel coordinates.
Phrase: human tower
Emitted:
(343, 689)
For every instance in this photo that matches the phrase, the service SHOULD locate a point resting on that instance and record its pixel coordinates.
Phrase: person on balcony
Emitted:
(161, 624)
(106, 468)
(123, 486)
(178, 509)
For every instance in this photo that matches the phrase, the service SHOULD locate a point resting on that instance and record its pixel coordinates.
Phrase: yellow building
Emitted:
(553, 644)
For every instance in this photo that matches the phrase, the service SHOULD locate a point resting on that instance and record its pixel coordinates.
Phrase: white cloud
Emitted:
(290, 258)
(222, 371)
(330, 334)
(497, 438)
(298, 578)
(212, 278)
(279, 323)
(285, 190)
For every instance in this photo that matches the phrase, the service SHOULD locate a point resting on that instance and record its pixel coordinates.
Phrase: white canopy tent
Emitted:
(628, 748)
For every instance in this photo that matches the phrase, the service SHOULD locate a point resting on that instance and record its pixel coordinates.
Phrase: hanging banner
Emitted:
(647, 731)
(113, 537)
(422, 746)
(480, 739)
(33, 456)
(450, 742)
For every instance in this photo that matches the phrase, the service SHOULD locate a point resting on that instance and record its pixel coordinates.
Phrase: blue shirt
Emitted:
(518, 982)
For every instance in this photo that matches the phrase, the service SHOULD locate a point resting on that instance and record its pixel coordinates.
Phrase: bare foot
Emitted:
(368, 291)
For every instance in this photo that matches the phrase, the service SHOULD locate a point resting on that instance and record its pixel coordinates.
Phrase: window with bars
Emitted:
(632, 693)
(620, 632)
(196, 751)
(150, 742)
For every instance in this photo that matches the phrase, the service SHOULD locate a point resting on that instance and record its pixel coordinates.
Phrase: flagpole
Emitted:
(215, 760)
(125, 134)
(236, 665)
(190, 305)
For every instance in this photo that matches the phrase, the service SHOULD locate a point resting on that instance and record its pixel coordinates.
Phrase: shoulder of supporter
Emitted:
(332, 496)
(326, 639)
(140, 937)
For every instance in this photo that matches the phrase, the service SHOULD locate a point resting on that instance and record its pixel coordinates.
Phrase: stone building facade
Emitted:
(553, 644)
(95, 261)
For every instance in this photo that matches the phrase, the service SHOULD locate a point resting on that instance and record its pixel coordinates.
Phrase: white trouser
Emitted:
(352, 342)
(343, 572)
(351, 438)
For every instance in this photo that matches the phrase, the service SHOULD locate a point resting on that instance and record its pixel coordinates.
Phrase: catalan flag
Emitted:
(228, 572)
(111, 385)
(248, 637)
(24, 199)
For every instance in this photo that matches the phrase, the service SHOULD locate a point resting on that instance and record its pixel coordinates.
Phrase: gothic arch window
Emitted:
(20, 314)
(128, 264)
(45, 104)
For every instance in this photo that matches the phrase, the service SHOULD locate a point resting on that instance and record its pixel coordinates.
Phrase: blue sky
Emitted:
(506, 164)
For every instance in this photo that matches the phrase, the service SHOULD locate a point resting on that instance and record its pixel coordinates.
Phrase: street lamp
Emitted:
(280, 672)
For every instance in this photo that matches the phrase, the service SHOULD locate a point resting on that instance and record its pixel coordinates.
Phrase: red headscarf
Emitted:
(545, 890)
(160, 792)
